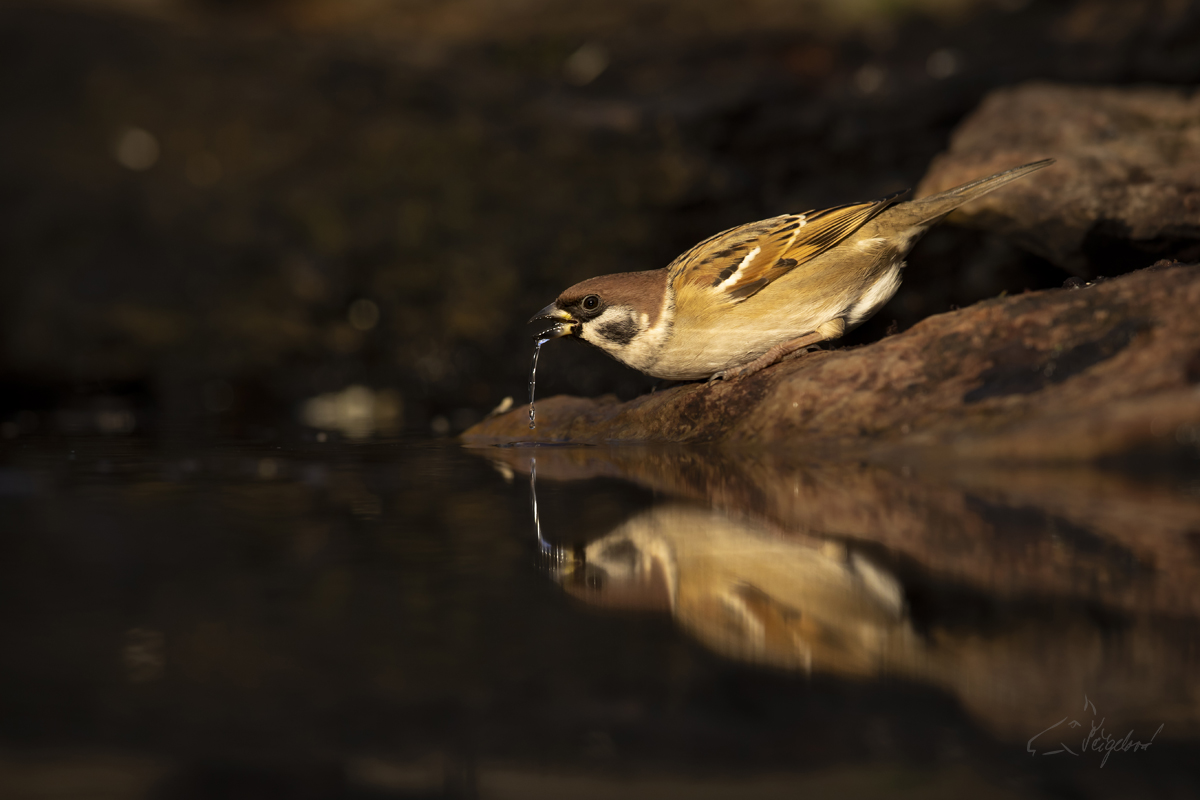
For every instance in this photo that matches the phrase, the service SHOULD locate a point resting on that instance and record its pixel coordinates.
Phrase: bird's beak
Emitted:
(566, 323)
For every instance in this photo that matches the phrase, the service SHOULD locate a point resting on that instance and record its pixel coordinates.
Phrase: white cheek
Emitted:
(588, 331)
(645, 342)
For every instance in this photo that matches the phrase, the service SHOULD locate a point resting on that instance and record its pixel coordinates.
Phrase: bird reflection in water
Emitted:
(744, 591)
(757, 580)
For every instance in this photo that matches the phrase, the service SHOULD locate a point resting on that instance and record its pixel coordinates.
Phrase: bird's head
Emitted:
(612, 312)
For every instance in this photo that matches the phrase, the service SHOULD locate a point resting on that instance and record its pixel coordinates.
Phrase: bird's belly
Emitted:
(735, 339)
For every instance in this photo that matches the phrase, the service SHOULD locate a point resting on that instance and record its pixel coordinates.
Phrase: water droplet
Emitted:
(541, 338)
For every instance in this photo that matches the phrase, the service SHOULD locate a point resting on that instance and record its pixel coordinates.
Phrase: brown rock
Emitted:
(1127, 180)
(1067, 374)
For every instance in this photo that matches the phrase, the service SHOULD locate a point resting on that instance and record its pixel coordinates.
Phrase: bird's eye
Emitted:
(591, 302)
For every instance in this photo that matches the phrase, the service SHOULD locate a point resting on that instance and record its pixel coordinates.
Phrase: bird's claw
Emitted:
(727, 375)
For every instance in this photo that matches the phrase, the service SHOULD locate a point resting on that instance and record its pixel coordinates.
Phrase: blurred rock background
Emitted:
(233, 216)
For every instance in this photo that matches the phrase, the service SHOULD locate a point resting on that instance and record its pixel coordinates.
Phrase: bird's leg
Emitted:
(830, 330)
(766, 359)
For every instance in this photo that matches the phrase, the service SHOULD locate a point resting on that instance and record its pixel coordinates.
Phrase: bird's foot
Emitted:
(803, 351)
(733, 374)
(777, 353)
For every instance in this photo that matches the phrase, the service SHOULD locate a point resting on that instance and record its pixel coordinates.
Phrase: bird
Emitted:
(748, 297)
(749, 593)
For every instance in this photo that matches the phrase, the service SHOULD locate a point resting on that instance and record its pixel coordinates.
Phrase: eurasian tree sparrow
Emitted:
(745, 298)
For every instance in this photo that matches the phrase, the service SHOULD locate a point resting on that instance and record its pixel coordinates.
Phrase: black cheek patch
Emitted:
(618, 331)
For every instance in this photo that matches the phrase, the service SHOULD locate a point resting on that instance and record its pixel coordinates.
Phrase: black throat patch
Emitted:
(618, 331)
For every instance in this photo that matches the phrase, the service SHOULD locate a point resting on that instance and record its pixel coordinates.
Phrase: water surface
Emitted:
(334, 619)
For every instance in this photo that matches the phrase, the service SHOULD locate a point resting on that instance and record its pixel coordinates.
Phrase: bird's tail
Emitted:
(928, 209)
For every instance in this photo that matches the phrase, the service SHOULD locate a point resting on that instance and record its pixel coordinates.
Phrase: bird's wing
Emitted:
(738, 263)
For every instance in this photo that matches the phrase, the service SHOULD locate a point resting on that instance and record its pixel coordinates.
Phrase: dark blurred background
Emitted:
(236, 216)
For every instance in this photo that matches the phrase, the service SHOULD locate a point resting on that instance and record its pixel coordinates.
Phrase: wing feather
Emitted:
(738, 263)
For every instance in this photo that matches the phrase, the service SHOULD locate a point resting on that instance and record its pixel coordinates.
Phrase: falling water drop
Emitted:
(541, 338)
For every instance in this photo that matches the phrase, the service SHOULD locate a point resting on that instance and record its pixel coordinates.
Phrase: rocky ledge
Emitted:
(1109, 369)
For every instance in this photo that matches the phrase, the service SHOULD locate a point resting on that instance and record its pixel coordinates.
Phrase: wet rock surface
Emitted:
(1107, 370)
